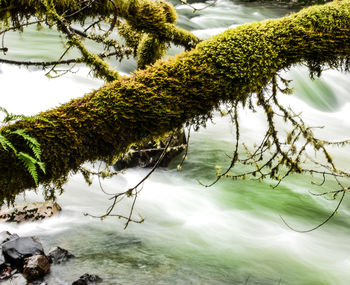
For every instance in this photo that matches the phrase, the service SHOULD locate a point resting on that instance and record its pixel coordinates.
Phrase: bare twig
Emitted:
(324, 222)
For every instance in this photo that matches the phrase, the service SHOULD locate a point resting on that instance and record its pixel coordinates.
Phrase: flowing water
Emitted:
(228, 234)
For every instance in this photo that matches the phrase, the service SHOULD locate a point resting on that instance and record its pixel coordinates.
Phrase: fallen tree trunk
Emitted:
(228, 67)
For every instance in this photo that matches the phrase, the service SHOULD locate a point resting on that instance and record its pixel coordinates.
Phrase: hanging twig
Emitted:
(321, 224)
(131, 192)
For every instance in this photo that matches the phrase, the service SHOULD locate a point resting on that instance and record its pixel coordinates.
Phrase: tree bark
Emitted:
(226, 68)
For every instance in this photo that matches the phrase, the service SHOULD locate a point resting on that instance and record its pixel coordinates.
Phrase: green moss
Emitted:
(131, 36)
(100, 68)
(17, 10)
(155, 18)
(164, 96)
(149, 50)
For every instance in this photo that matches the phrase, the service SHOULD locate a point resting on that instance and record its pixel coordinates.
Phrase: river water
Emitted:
(228, 234)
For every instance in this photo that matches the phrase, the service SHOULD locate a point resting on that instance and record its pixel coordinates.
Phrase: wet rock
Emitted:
(58, 255)
(6, 236)
(16, 250)
(29, 212)
(6, 272)
(88, 279)
(2, 260)
(148, 154)
(35, 267)
(16, 279)
(4, 267)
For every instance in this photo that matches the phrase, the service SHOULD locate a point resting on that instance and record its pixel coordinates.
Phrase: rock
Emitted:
(16, 279)
(29, 212)
(16, 250)
(88, 279)
(2, 260)
(147, 155)
(6, 272)
(6, 236)
(35, 267)
(58, 255)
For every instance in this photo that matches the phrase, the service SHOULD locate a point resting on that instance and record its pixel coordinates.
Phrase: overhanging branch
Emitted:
(228, 67)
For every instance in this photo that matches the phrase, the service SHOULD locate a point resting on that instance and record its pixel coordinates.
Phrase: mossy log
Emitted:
(228, 67)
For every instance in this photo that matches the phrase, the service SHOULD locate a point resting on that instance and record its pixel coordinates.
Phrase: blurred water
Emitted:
(228, 234)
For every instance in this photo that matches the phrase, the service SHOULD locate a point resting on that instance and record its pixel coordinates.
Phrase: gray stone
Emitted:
(2, 259)
(87, 279)
(16, 250)
(6, 236)
(58, 255)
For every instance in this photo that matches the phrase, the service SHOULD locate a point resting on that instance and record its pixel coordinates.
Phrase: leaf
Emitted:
(5, 143)
(32, 142)
(29, 163)
(42, 166)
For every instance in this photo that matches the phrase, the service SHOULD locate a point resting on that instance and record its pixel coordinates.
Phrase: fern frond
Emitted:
(5, 143)
(10, 117)
(40, 119)
(29, 163)
(42, 166)
(2, 109)
(13, 117)
(32, 142)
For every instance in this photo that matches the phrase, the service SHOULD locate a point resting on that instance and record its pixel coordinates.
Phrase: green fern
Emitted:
(30, 162)
(32, 142)
(5, 143)
(10, 117)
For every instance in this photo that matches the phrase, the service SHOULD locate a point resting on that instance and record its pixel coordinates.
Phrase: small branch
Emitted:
(21, 26)
(49, 63)
(321, 224)
(130, 192)
(82, 9)
(198, 9)
(115, 17)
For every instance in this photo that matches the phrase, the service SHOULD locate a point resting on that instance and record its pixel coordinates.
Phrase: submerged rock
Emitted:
(16, 250)
(29, 212)
(148, 154)
(58, 255)
(35, 267)
(88, 279)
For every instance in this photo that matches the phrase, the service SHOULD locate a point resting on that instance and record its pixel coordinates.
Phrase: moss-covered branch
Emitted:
(147, 16)
(152, 21)
(228, 67)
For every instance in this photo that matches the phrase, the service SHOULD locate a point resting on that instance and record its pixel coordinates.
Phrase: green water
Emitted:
(228, 234)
